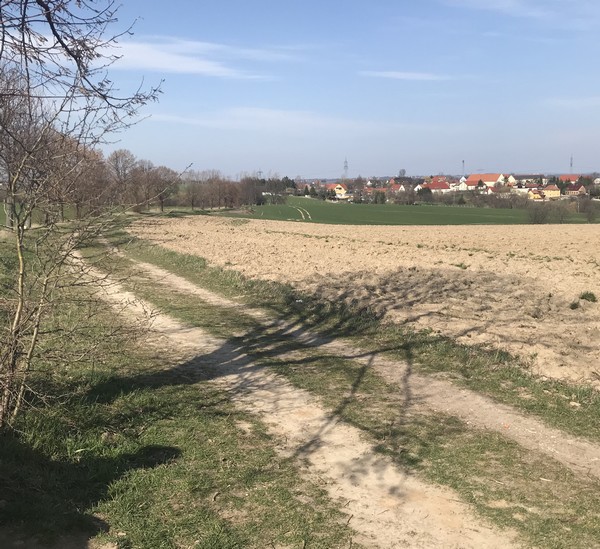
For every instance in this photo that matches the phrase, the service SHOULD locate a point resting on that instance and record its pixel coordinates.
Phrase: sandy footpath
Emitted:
(507, 286)
(386, 505)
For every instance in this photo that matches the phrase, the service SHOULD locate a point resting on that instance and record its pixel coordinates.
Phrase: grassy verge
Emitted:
(492, 372)
(540, 499)
(126, 445)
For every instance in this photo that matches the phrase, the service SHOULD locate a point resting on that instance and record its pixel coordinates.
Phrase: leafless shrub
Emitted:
(58, 104)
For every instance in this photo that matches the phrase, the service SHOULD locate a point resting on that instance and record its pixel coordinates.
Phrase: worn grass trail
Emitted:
(549, 504)
(387, 506)
(121, 449)
(580, 455)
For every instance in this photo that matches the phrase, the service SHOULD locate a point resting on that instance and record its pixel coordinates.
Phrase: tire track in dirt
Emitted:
(386, 506)
(579, 455)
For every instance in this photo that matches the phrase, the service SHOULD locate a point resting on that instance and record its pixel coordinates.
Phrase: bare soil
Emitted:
(385, 505)
(421, 392)
(509, 287)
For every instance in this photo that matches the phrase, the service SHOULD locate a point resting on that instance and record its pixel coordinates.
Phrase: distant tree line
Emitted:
(122, 180)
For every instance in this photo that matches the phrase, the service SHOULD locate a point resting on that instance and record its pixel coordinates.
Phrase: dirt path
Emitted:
(385, 505)
(479, 411)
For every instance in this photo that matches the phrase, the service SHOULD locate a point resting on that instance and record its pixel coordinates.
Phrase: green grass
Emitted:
(388, 214)
(38, 217)
(588, 296)
(497, 476)
(361, 214)
(531, 493)
(162, 459)
(126, 444)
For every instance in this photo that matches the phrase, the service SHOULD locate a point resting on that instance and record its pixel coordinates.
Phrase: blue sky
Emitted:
(293, 88)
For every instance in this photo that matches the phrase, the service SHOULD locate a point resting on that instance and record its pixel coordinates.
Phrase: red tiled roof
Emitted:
(573, 178)
(332, 186)
(483, 177)
(437, 185)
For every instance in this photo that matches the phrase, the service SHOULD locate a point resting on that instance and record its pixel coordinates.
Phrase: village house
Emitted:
(523, 179)
(576, 189)
(551, 192)
(466, 185)
(437, 179)
(498, 191)
(488, 179)
(569, 178)
(340, 190)
(396, 188)
(438, 186)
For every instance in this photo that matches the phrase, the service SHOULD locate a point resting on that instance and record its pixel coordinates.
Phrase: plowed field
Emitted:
(513, 287)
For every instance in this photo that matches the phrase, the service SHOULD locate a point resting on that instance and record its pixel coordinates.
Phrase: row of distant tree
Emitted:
(145, 186)
(92, 183)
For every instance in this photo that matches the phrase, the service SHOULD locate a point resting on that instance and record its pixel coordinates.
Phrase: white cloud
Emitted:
(567, 13)
(411, 76)
(516, 8)
(256, 118)
(173, 55)
(259, 119)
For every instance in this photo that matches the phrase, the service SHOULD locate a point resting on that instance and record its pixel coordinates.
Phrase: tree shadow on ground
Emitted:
(275, 345)
(50, 497)
(60, 493)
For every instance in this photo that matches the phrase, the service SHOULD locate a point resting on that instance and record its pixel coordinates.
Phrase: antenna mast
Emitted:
(346, 168)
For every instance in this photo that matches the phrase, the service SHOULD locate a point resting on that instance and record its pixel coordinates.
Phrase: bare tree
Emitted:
(560, 211)
(165, 182)
(152, 184)
(142, 184)
(121, 165)
(191, 189)
(58, 104)
(538, 213)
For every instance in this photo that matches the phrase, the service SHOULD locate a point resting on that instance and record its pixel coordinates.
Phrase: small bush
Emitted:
(588, 296)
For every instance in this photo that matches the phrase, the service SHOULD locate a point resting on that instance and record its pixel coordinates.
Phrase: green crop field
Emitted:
(318, 211)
